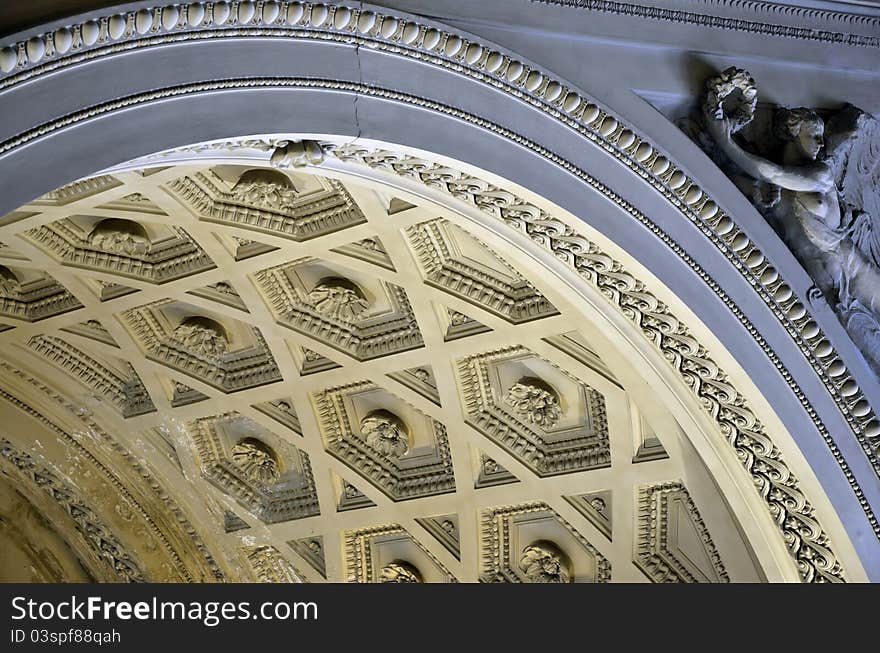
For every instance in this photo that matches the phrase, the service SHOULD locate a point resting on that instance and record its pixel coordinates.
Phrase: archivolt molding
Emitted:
(750, 7)
(410, 37)
(188, 557)
(104, 544)
(418, 39)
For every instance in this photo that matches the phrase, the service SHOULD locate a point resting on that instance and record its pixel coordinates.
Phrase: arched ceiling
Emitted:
(332, 382)
(301, 374)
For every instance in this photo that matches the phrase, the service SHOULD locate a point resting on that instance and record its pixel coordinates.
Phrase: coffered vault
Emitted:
(511, 452)
(430, 313)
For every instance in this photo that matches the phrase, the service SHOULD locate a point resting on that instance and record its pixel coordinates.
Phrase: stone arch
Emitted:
(553, 141)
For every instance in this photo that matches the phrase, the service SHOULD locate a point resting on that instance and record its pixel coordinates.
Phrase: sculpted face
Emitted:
(810, 138)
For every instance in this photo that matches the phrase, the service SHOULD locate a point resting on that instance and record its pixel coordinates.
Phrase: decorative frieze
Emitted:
(399, 571)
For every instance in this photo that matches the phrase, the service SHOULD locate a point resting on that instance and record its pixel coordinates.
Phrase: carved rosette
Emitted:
(338, 298)
(534, 402)
(120, 237)
(275, 483)
(9, 283)
(543, 562)
(256, 461)
(202, 335)
(400, 571)
(264, 187)
(386, 433)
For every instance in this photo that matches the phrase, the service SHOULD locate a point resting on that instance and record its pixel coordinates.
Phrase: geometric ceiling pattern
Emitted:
(334, 383)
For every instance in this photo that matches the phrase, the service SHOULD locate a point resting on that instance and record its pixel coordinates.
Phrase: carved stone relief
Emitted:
(400, 571)
(816, 181)
(404, 458)
(236, 458)
(534, 402)
(256, 461)
(524, 415)
(335, 309)
(543, 562)
(267, 200)
(530, 543)
(338, 298)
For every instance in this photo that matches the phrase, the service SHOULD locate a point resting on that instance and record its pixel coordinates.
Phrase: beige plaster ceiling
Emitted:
(233, 372)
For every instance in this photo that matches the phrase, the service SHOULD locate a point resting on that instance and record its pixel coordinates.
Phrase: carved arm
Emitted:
(816, 177)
